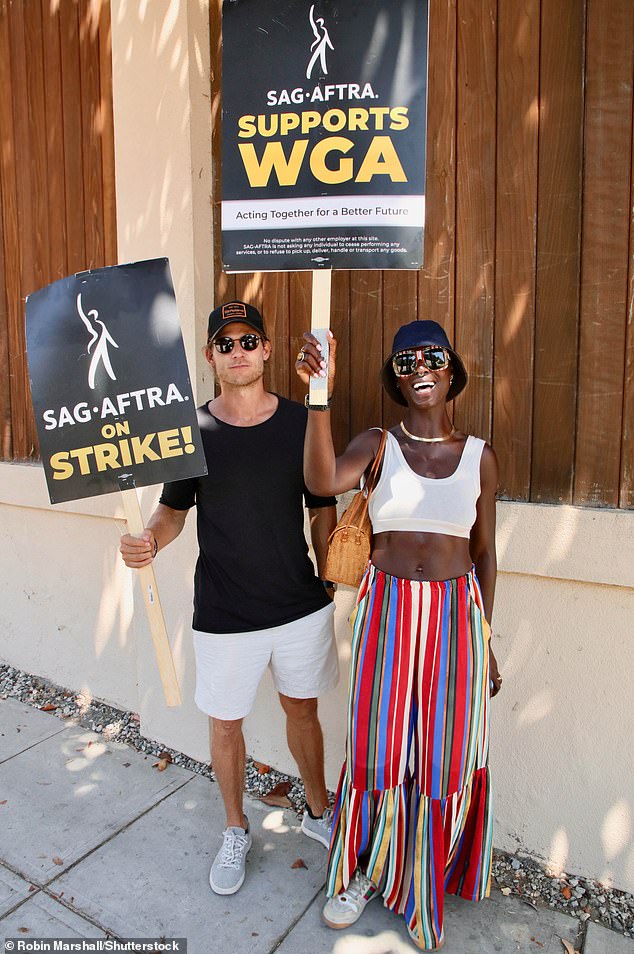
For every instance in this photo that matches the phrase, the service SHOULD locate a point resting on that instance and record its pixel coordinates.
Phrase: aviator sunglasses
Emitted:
(248, 342)
(405, 363)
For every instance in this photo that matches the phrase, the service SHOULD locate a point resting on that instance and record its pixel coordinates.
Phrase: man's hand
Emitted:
(323, 521)
(165, 524)
(310, 364)
(330, 588)
(138, 551)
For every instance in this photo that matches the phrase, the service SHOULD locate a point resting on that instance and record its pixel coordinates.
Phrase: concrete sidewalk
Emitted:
(95, 842)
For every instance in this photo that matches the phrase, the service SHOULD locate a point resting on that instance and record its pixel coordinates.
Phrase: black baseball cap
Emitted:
(234, 311)
(418, 334)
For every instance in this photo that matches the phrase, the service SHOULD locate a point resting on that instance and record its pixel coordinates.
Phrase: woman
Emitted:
(413, 815)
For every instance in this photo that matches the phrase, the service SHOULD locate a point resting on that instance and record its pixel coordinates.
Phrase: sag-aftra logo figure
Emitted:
(103, 339)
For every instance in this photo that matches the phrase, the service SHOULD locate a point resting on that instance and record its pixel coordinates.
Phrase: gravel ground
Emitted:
(520, 876)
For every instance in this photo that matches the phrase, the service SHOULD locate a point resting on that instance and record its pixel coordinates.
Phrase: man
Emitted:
(257, 601)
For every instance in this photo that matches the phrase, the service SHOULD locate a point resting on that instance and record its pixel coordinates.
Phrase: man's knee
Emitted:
(299, 710)
(226, 731)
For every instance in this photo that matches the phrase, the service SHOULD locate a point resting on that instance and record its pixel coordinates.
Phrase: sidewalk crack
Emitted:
(295, 922)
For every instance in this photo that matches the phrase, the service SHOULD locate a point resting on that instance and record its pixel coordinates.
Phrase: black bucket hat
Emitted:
(234, 311)
(416, 335)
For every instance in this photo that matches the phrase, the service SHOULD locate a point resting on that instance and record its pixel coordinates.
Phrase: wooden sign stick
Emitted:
(319, 325)
(153, 607)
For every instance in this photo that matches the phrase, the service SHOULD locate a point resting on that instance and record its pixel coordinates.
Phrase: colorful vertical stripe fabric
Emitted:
(414, 805)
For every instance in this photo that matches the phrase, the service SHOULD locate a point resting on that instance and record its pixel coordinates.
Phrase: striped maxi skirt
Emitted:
(413, 805)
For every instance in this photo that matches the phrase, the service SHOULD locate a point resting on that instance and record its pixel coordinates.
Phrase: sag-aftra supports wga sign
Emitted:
(323, 134)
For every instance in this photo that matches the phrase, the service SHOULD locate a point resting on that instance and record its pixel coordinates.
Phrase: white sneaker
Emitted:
(229, 867)
(318, 828)
(348, 906)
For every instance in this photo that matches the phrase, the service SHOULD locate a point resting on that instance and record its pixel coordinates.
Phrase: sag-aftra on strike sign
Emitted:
(109, 380)
(323, 134)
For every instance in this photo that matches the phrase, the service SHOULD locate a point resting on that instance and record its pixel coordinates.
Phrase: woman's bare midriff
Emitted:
(421, 556)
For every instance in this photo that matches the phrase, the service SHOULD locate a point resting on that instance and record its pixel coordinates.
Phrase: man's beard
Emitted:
(241, 379)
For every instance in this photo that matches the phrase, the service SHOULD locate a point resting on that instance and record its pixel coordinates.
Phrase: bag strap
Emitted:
(362, 499)
(376, 463)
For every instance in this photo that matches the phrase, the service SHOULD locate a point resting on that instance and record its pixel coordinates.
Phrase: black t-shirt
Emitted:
(253, 568)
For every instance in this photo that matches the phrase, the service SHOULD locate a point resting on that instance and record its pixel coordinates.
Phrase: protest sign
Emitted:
(109, 380)
(323, 134)
(113, 401)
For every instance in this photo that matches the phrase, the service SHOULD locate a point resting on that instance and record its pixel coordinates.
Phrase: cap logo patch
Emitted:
(233, 310)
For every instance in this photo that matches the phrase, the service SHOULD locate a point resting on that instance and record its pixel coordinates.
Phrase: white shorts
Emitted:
(302, 656)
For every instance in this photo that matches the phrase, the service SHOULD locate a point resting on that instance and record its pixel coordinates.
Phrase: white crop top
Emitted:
(403, 500)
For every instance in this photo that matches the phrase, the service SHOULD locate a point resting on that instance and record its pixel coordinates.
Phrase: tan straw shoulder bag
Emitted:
(350, 543)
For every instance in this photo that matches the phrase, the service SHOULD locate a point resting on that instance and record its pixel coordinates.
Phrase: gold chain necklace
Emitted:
(427, 440)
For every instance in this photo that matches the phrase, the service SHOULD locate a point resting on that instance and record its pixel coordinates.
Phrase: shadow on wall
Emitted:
(70, 610)
(562, 726)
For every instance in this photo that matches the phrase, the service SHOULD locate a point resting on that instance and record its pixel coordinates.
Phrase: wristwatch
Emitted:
(317, 407)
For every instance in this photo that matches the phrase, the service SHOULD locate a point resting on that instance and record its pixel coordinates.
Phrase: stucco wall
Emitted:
(72, 612)
(66, 606)
(562, 727)
(562, 732)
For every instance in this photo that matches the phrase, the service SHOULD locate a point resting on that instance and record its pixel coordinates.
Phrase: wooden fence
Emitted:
(529, 254)
(57, 203)
(529, 249)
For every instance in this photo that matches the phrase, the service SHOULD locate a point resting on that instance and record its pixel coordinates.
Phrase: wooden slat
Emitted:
(627, 440)
(605, 240)
(106, 123)
(90, 121)
(36, 210)
(300, 300)
(475, 190)
(366, 350)
(400, 306)
(515, 255)
(437, 278)
(20, 143)
(340, 325)
(249, 288)
(276, 322)
(58, 258)
(23, 443)
(9, 231)
(558, 249)
(38, 160)
(73, 134)
(5, 390)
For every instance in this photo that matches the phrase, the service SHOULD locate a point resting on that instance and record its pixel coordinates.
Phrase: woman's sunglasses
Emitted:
(405, 363)
(248, 342)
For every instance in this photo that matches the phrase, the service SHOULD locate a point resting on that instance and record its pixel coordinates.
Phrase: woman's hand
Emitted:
(494, 674)
(310, 363)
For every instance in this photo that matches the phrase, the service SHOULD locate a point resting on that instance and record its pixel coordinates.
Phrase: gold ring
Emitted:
(301, 355)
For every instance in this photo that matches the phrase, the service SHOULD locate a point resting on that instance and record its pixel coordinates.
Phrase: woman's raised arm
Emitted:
(324, 473)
